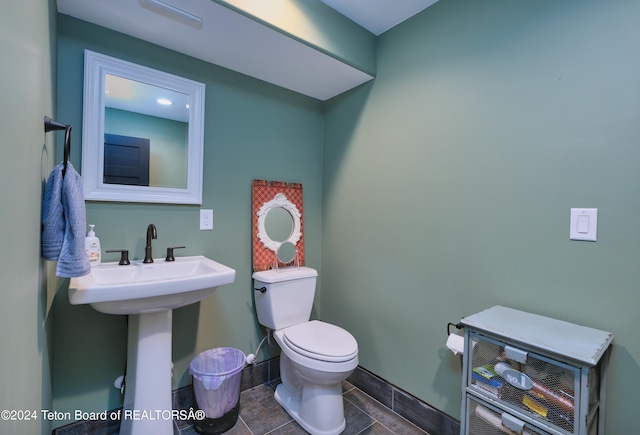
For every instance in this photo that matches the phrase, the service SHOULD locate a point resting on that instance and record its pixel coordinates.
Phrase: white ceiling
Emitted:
(226, 38)
(378, 16)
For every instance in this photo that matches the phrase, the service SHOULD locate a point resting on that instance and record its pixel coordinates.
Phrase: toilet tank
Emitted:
(288, 297)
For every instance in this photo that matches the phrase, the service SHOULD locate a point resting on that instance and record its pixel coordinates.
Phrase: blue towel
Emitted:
(64, 222)
(53, 216)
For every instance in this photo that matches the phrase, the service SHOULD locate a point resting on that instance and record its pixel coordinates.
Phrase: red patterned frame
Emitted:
(264, 191)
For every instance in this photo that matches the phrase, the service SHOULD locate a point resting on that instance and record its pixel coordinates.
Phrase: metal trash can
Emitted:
(216, 386)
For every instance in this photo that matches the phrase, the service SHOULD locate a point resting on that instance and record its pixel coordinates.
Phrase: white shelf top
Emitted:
(580, 343)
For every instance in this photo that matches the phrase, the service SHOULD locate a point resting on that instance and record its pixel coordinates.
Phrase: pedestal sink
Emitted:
(148, 293)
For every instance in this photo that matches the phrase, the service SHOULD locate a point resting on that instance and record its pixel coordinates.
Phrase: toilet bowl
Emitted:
(316, 356)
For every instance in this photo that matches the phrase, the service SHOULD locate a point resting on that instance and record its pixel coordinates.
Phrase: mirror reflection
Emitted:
(283, 220)
(143, 133)
(278, 224)
(286, 253)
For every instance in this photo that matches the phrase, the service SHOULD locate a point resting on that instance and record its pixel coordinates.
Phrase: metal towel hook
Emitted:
(51, 125)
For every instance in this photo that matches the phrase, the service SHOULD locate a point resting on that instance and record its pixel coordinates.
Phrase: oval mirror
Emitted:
(142, 133)
(286, 252)
(283, 226)
(278, 224)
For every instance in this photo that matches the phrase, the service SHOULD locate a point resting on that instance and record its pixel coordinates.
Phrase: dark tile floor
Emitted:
(261, 414)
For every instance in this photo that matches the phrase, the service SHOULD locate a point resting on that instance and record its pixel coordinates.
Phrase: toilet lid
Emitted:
(321, 341)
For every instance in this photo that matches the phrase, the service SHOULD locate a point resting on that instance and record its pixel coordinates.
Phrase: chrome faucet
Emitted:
(152, 233)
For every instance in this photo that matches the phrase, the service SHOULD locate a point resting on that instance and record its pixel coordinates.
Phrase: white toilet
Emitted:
(316, 356)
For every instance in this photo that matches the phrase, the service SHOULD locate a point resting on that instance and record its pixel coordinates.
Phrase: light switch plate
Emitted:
(584, 224)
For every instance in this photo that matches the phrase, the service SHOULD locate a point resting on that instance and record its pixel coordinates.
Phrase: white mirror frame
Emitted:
(280, 200)
(96, 66)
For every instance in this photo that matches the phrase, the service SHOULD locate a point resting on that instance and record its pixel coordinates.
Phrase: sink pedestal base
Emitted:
(147, 407)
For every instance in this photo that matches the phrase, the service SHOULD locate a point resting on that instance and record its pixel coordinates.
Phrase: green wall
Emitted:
(448, 182)
(252, 130)
(27, 90)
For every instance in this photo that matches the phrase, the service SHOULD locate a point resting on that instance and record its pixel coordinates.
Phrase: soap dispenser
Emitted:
(92, 247)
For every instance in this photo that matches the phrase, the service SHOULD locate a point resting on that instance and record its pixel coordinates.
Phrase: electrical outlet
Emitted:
(206, 219)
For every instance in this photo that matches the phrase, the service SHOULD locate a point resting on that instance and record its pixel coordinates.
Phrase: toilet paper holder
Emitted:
(455, 342)
(457, 325)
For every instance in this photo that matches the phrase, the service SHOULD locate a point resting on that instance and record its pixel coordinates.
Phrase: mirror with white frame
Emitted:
(142, 133)
(278, 223)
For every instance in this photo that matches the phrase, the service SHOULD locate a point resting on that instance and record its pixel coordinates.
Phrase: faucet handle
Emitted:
(124, 256)
(170, 256)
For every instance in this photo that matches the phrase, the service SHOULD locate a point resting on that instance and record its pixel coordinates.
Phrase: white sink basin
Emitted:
(148, 293)
(148, 288)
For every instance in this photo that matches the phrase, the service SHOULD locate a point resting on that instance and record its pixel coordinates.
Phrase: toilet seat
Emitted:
(321, 341)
